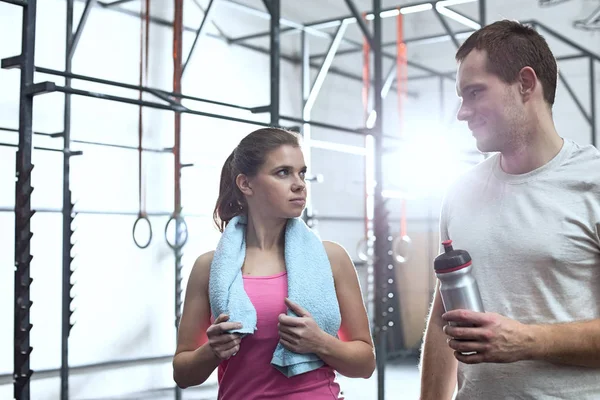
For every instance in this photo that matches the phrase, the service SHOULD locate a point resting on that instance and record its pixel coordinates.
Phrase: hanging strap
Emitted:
(366, 80)
(402, 245)
(401, 80)
(143, 81)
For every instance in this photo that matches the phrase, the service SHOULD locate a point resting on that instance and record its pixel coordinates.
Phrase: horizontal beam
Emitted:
(114, 3)
(16, 146)
(573, 57)
(7, 378)
(150, 104)
(88, 142)
(357, 131)
(109, 212)
(154, 91)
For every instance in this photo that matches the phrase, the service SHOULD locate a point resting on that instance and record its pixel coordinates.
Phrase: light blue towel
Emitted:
(310, 284)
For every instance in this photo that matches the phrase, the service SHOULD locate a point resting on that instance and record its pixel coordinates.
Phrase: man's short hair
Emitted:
(511, 46)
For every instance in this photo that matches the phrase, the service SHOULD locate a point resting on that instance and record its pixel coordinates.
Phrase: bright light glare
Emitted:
(425, 165)
(457, 17)
(416, 9)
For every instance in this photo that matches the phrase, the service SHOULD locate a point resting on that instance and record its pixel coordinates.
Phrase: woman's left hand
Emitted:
(300, 334)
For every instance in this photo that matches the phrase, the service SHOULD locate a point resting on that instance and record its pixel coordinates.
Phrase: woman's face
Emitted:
(278, 190)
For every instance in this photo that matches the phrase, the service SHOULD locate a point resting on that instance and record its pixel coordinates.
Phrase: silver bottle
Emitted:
(458, 287)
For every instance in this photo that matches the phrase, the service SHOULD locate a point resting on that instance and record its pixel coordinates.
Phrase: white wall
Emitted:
(125, 295)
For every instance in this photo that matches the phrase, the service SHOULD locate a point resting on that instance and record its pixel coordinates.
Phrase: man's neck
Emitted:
(541, 145)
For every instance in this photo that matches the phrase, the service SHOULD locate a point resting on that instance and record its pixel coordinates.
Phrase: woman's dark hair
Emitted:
(246, 158)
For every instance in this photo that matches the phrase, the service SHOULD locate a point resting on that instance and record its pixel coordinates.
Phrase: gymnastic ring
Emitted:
(177, 218)
(362, 255)
(401, 248)
(142, 217)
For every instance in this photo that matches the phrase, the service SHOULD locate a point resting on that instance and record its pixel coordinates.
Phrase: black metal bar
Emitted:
(114, 3)
(205, 21)
(67, 206)
(482, 13)
(574, 97)
(360, 21)
(259, 35)
(157, 92)
(571, 57)
(22, 3)
(564, 39)
(34, 147)
(446, 27)
(149, 104)
(275, 11)
(72, 45)
(322, 125)
(23, 213)
(593, 101)
(88, 368)
(107, 212)
(267, 4)
(379, 222)
(88, 142)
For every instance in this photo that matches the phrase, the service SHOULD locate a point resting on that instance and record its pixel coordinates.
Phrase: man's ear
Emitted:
(243, 183)
(528, 82)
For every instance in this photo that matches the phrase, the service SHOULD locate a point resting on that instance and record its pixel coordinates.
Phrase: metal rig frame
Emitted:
(383, 263)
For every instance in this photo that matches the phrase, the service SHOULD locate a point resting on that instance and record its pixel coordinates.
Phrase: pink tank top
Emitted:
(249, 375)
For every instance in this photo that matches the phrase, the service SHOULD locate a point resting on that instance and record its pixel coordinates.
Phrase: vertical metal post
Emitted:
(275, 60)
(593, 101)
(23, 212)
(379, 224)
(67, 216)
(306, 132)
(482, 13)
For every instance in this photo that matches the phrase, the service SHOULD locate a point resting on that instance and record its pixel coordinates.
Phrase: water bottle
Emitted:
(458, 287)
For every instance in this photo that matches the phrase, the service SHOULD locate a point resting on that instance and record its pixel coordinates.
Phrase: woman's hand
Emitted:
(300, 334)
(224, 345)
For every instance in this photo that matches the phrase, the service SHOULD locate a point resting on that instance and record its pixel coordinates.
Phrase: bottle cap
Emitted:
(451, 260)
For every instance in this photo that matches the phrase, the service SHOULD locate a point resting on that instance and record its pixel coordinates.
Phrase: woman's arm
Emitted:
(352, 355)
(195, 359)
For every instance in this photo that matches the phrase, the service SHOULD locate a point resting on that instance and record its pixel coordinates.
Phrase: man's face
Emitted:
(492, 108)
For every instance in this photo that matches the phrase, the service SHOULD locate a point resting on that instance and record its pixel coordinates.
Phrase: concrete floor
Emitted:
(401, 377)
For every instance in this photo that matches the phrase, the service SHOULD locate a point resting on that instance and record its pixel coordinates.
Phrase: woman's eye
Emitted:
(283, 172)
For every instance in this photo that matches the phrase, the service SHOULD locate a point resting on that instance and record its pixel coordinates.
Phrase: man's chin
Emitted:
(484, 147)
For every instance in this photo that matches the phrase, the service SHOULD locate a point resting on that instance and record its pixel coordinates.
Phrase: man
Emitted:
(529, 216)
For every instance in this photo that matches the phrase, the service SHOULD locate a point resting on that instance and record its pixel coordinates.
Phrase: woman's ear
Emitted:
(243, 183)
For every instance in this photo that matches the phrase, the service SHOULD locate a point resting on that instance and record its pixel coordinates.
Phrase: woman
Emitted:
(264, 180)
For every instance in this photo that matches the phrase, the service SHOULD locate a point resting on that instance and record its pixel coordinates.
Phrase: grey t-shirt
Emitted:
(534, 240)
